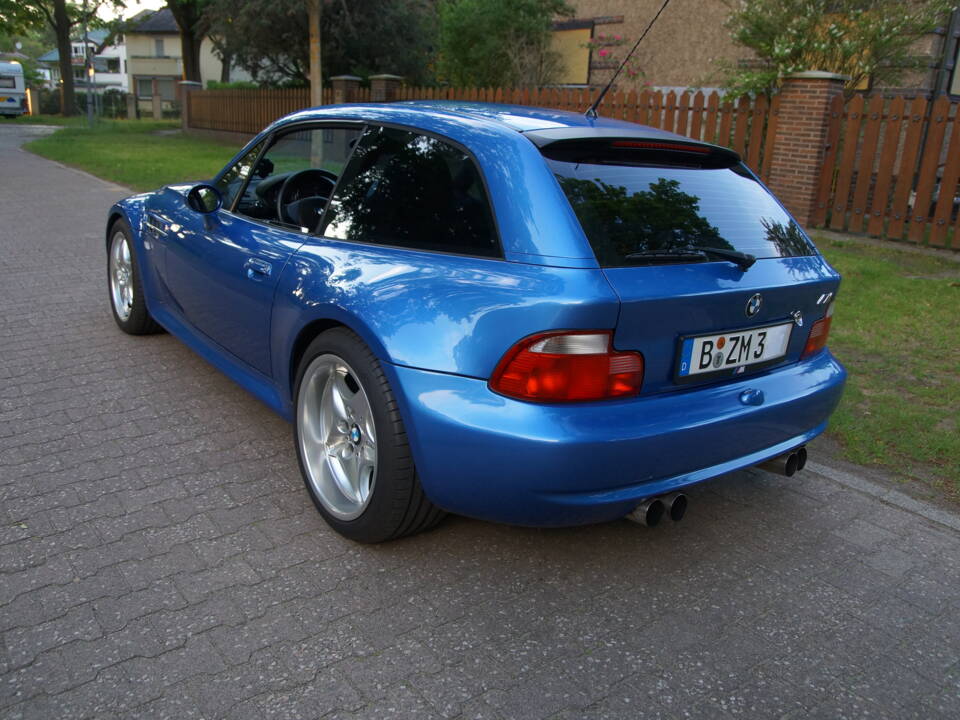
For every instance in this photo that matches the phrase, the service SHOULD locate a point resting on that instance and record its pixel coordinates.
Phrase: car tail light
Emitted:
(568, 366)
(817, 339)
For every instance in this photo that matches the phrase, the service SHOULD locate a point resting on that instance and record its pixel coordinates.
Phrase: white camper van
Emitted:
(13, 94)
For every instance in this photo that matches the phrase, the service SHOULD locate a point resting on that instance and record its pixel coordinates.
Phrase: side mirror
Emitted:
(204, 199)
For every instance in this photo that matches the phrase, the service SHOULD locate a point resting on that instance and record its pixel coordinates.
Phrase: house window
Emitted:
(158, 47)
(168, 89)
(113, 65)
(77, 50)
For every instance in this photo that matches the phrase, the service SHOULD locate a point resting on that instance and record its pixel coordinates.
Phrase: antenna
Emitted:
(592, 110)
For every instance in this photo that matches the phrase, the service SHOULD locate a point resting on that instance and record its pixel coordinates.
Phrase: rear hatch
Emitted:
(716, 280)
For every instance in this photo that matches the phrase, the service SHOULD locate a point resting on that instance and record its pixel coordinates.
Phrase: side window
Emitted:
(232, 180)
(295, 177)
(412, 190)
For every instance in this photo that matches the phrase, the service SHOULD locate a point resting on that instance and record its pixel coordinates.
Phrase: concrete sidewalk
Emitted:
(159, 556)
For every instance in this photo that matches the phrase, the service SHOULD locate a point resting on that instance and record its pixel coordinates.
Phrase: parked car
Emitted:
(509, 313)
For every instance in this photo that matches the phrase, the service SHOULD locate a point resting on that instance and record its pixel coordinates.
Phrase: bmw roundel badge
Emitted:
(753, 305)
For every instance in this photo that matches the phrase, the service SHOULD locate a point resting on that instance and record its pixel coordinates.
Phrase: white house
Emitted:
(109, 62)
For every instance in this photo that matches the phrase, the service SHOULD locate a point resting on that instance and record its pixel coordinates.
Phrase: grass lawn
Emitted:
(141, 154)
(897, 330)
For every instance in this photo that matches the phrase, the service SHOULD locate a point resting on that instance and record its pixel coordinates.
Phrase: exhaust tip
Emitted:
(648, 513)
(676, 505)
(790, 466)
(801, 458)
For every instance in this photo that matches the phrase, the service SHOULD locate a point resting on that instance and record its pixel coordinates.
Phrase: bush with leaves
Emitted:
(499, 43)
(858, 38)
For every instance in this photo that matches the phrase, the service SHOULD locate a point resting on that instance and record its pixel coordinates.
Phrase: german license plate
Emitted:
(733, 351)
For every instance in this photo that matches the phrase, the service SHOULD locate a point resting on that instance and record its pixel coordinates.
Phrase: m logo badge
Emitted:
(753, 305)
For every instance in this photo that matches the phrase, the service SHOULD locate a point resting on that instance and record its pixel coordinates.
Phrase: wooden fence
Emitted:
(248, 111)
(891, 169)
(891, 166)
(747, 126)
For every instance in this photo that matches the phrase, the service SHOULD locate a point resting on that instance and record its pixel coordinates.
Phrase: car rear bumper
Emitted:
(487, 456)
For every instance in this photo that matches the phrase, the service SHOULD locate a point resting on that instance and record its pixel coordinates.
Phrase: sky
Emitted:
(108, 12)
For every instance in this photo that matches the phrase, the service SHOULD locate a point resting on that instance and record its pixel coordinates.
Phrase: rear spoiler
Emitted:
(614, 146)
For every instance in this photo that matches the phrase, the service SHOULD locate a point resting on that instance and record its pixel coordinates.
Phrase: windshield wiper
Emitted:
(740, 259)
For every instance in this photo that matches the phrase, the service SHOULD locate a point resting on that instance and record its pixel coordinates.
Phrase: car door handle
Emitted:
(257, 269)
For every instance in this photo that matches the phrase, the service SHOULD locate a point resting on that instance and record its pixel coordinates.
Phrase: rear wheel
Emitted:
(124, 284)
(352, 446)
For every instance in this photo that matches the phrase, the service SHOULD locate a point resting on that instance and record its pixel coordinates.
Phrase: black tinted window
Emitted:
(402, 188)
(233, 179)
(629, 210)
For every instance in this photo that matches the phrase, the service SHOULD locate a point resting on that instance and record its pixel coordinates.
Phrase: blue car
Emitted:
(510, 313)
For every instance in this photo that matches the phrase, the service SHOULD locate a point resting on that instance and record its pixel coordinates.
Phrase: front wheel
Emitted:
(124, 284)
(352, 446)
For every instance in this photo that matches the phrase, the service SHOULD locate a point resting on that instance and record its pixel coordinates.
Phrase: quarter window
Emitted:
(232, 180)
(410, 190)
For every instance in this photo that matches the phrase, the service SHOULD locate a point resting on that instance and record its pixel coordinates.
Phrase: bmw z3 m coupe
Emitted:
(514, 314)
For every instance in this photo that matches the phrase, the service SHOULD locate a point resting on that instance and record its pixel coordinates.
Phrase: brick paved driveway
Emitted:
(159, 557)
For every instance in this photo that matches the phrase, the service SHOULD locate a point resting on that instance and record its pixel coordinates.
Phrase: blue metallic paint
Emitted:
(439, 324)
(567, 464)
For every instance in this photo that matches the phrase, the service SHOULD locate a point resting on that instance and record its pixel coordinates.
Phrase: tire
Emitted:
(124, 286)
(352, 446)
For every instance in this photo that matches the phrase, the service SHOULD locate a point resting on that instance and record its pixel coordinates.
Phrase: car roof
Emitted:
(535, 121)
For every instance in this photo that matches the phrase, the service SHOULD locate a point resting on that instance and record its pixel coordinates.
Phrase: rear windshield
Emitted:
(627, 211)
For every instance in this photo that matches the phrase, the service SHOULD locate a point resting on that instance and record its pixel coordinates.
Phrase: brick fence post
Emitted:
(384, 88)
(345, 88)
(801, 139)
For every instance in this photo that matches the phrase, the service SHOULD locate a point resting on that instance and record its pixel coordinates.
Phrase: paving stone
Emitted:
(24, 644)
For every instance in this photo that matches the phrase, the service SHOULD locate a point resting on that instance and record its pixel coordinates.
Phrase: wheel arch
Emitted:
(335, 318)
(114, 216)
(302, 341)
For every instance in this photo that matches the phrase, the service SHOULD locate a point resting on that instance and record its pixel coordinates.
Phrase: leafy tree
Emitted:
(21, 16)
(859, 38)
(496, 43)
(192, 20)
(33, 45)
(269, 38)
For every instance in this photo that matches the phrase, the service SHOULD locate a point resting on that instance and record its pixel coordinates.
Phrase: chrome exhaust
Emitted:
(648, 513)
(675, 505)
(786, 464)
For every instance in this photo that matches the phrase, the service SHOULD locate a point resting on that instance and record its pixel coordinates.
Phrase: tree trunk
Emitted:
(193, 28)
(316, 77)
(226, 60)
(61, 26)
(190, 49)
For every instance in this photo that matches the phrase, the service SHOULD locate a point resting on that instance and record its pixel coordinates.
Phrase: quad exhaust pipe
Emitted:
(787, 464)
(651, 511)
